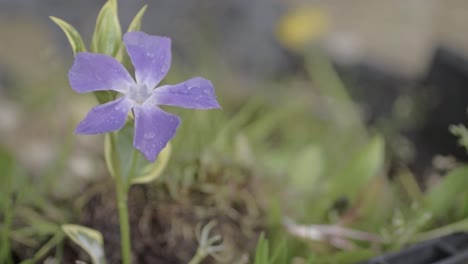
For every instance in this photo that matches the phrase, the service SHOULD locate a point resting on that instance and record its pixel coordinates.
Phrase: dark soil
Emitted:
(163, 228)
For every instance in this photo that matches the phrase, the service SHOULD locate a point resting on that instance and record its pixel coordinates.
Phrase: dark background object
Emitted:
(447, 84)
(439, 99)
(450, 249)
(374, 88)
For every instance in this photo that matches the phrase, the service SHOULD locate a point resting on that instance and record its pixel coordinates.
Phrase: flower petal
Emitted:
(153, 129)
(97, 72)
(151, 56)
(195, 93)
(107, 117)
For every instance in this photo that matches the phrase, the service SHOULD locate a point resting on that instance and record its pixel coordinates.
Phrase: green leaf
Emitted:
(152, 171)
(462, 133)
(460, 226)
(280, 253)
(363, 166)
(261, 253)
(307, 167)
(135, 25)
(441, 198)
(107, 35)
(88, 239)
(352, 256)
(76, 42)
(46, 249)
(132, 160)
(105, 96)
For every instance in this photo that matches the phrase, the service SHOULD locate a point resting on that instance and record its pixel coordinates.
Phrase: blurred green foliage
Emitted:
(313, 159)
(313, 169)
(28, 219)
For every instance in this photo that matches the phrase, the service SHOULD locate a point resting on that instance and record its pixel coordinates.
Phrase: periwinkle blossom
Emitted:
(151, 58)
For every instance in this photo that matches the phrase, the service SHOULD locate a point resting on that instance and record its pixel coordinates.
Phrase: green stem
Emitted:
(124, 223)
(199, 256)
(122, 195)
(441, 231)
(131, 172)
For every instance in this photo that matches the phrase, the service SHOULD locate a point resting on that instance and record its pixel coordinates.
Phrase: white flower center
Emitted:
(139, 93)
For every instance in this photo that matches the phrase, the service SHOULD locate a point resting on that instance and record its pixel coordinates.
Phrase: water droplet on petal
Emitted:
(194, 83)
(149, 135)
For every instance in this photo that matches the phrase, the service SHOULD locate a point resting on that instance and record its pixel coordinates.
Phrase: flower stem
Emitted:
(124, 222)
(199, 256)
(121, 188)
(131, 172)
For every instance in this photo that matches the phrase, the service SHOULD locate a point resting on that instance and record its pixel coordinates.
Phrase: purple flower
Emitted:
(151, 57)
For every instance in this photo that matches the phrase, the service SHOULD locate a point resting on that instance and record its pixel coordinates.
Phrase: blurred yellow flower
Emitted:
(301, 26)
